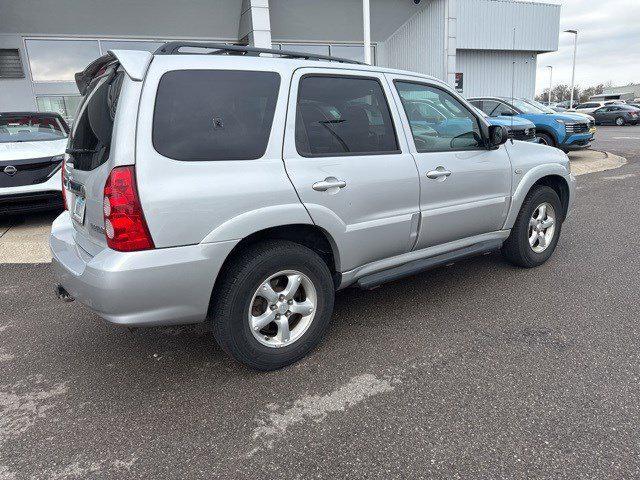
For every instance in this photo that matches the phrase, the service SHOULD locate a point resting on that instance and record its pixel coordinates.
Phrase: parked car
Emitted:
(547, 109)
(247, 205)
(617, 115)
(566, 131)
(32, 146)
(519, 128)
(592, 105)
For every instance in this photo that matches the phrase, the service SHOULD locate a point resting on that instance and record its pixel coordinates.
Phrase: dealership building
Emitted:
(483, 47)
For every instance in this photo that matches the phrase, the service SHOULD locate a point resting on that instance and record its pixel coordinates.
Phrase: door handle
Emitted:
(439, 172)
(328, 183)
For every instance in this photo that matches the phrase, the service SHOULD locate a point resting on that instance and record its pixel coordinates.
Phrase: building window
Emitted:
(66, 105)
(302, 48)
(10, 63)
(59, 60)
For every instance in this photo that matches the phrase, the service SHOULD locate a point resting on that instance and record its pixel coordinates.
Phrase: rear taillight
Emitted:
(64, 193)
(124, 224)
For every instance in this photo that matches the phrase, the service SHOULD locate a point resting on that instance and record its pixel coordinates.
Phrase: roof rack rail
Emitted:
(173, 48)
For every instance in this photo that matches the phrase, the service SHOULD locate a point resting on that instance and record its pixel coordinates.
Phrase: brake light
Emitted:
(124, 224)
(64, 193)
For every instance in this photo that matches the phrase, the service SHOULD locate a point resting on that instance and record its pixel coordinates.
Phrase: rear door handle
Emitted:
(328, 183)
(439, 172)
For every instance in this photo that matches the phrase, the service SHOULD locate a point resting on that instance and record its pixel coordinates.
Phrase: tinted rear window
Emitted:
(214, 114)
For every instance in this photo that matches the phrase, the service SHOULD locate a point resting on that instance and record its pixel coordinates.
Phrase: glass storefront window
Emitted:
(59, 60)
(297, 47)
(107, 45)
(351, 52)
(65, 105)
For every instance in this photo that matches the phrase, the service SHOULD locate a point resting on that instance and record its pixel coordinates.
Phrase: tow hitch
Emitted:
(63, 295)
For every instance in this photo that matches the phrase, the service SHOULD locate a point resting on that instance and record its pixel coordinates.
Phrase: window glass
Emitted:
(31, 128)
(59, 60)
(352, 52)
(214, 114)
(129, 45)
(525, 107)
(65, 105)
(297, 47)
(439, 122)
(343, 115)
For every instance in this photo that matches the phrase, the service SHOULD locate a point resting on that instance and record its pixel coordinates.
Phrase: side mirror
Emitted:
(498, 135)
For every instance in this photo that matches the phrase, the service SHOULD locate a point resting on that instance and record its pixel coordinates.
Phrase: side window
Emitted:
(453, 128)
(205, 115)
(502, 109)
(343, 116)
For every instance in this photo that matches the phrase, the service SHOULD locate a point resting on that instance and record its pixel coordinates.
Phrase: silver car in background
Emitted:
(244, 190)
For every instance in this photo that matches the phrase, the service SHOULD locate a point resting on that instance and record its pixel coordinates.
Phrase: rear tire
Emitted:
(526, 247)
(546, 139)
(620, 121)
(243, 301)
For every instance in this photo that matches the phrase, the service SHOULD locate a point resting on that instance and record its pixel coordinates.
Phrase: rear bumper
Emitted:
(31, 198)
(155, 287)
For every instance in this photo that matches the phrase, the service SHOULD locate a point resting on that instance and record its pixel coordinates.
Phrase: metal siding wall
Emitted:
(491, 72)
(488, 25)
(418, 45)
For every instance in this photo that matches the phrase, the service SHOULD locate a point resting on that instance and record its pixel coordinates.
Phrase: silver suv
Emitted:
(243, 189)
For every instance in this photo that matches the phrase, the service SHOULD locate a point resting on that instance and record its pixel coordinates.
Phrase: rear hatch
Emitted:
(89, 150)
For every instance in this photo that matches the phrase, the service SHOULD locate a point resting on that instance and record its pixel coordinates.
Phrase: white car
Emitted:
(591, 106)
(32, 148)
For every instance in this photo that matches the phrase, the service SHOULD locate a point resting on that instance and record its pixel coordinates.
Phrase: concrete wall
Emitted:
(493, 72)
(141, 18)
(16, 93)
(336, 20)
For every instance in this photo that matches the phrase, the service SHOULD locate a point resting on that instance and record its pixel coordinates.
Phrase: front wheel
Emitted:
(536, 231)
(620, 121)
(273, 304)
(546, 139)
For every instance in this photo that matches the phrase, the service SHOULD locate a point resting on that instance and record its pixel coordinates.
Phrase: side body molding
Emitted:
(527, 181)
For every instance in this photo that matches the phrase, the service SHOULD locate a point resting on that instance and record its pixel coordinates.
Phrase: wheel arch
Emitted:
(549, 131)
(554, 176)
(308, 235)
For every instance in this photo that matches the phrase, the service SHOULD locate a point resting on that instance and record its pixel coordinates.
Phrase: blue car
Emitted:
(519, 128)
(566, 131)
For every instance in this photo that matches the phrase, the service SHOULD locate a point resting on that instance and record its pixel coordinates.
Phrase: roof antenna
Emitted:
(513, 80)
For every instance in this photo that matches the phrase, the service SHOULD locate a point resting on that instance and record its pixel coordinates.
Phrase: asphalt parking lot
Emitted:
(475, 370)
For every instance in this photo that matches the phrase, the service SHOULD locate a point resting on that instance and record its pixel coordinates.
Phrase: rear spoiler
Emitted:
(134, 62)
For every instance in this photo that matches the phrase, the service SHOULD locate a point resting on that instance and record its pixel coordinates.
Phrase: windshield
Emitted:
(526, 107)
(31, 128)
(541, 106)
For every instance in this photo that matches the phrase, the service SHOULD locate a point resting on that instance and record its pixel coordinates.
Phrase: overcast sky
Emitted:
(608, 43)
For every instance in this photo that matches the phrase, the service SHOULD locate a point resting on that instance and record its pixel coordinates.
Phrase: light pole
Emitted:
(366, 21)
(573, 74)
(550, 67)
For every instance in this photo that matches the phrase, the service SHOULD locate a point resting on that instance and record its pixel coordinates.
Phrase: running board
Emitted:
(417, 266)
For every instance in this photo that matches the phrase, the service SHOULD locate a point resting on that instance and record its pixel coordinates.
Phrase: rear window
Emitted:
(205, 115)
(31, 128)
(91, 140)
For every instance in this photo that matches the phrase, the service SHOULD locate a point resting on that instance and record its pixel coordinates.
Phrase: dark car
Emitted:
(617, 115)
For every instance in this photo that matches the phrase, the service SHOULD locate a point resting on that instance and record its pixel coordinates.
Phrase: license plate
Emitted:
(78, 209)
(592, 130)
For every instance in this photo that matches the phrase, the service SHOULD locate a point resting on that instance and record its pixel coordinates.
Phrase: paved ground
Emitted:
(477, 370)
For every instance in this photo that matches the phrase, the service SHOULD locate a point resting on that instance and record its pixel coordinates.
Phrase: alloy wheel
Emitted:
(542, 227)
(282, 308)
